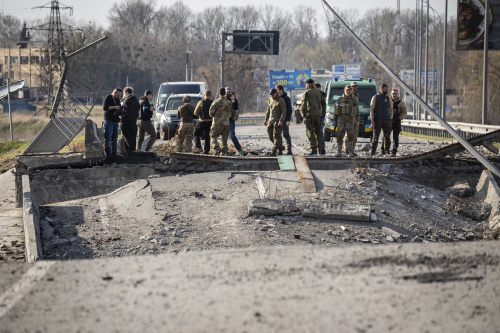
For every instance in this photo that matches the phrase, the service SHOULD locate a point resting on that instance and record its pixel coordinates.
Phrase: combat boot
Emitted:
(289, 151)
(280, 151)
(322, 152)
(273, 152)
(313, 152)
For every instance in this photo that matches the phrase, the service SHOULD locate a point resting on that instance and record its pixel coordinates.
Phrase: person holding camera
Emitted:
(130, 112)
(111, 107)
(144, 124)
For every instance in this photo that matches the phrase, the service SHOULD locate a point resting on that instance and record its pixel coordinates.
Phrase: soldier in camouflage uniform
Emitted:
(312, 108)
(220, 111)
(347, 113)
(276, 115)
(355, 94)
(185, 114)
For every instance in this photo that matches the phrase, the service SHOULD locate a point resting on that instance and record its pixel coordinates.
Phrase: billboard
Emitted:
(471, 24)
(289, 78)
(408, 77)
(346, 71)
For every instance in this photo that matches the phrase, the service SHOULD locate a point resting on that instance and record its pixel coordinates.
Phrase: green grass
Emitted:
(426, 137)
(8, 151)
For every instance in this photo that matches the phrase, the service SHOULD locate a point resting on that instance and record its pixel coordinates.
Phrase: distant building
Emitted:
(24, 59)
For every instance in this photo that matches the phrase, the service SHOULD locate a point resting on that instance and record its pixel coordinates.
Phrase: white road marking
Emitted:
(260, 187)
(104, 217)
(17, 291)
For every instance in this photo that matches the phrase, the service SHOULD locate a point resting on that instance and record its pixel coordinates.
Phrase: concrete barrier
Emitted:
(31, 219)
(487, 190)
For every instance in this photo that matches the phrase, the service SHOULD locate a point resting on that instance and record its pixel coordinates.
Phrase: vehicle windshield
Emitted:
(168, 89)
(175, 102)
(365, 95)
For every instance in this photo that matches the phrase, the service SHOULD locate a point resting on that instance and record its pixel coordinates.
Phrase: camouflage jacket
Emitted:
(220, 111)
(346, 108)
(313, 103)
(276, 110)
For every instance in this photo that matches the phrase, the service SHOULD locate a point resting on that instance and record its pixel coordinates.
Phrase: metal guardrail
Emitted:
(433, 128)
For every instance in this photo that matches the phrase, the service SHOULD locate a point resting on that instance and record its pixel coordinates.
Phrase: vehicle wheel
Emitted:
(163, 135)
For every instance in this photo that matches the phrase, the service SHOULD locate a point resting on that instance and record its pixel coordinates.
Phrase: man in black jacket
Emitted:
(144, 124)
(286, 125)
(131, 104)
(111, 107)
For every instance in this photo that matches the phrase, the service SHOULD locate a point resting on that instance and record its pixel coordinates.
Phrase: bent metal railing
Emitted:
(67, 117)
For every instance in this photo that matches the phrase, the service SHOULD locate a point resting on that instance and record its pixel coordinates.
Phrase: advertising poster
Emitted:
(408, 77)
(471, 24)
(289, 78)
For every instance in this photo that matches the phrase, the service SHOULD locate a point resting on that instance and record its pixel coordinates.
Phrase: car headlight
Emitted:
(330, 116)
(168, 119)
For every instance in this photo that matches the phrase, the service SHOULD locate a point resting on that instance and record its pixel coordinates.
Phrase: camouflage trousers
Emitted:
(342, 130)
(313, 132)
(274, 132)
(219, 130)
(386, 126)
(185, 137)
(355, 141)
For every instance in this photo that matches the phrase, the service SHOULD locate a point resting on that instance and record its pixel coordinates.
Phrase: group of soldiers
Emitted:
(386, 113)
(216, 118)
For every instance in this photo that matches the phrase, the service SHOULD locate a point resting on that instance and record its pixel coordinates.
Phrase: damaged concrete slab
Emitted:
(338, 211)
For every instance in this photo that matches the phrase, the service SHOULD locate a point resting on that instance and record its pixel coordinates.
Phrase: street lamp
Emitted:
(187, 64)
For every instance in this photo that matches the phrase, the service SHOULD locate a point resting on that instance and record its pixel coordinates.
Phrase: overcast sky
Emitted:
(97, 10)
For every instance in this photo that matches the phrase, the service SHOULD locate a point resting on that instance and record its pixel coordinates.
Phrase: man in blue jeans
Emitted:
(233, 119)
(111, 107)
(322, 121)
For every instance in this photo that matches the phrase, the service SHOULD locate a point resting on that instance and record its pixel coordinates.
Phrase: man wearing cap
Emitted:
(381, 112)
(234, 117)
(286, 124)
(275, 118)
(220, 111)
(185, 114)
(355, 95)
(204, 123)
(347, 114)
(312, 108)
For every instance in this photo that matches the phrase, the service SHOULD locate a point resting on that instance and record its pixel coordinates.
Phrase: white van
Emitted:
(170, 88)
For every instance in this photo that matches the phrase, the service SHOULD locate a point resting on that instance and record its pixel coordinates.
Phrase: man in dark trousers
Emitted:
(144, 124)
(312, 108)
(322, 121)
(286, 125)
(234, 118)
(204, 123)
(381, 114)
(131, 105)
(111, 107)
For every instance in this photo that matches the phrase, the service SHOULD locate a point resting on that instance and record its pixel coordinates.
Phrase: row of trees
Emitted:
(146, 38)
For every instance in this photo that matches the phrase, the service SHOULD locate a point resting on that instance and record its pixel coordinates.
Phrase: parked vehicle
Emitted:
(168, 121)
(366, 90)
(174, 88)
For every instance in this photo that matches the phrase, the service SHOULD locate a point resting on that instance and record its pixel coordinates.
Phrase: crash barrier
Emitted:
(433, 128)
(31, 219)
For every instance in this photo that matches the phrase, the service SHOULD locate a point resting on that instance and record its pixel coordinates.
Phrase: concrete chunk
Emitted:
(460, 189)
(339, 211)
(392, 233)
(271, 207)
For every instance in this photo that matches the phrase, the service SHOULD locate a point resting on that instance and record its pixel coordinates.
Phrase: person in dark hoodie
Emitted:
(286, 125)
(131, 104)
(144, 124)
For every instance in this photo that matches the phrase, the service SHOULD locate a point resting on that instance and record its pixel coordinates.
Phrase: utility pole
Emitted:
(55, 40)
(485, 65)
(443, 75)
